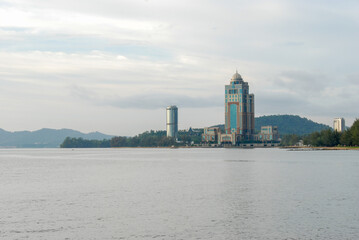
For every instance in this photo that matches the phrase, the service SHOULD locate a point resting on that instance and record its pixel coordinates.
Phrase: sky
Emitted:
(113, 66)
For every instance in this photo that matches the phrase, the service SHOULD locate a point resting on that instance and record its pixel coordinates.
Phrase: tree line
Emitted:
(147, 139)
(326, 138)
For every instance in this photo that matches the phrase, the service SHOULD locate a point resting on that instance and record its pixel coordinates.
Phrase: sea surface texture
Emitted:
(178, 194)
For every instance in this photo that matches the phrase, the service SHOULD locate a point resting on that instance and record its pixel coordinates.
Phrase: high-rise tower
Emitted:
(339, 124)
(172, 121)
(239, 109)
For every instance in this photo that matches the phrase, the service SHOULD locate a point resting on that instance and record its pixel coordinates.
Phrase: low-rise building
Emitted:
(211, 135)
(268, 133)
(228, 139)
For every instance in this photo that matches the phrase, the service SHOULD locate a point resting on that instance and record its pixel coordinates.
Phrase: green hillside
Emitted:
(287, 124)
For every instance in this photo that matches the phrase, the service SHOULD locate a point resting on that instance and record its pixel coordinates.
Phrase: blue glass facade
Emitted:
(239, 109)
(233, 115)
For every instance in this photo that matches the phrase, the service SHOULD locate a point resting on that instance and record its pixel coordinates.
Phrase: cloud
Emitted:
(283, 103)
(301, 81)
(153, 100)
(309, 94)
(137, 55)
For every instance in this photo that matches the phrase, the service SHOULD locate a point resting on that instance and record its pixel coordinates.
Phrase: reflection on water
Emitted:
(178, 194)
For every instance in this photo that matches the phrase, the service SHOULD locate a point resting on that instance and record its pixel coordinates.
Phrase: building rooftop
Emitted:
(172, 107)
(236, 77)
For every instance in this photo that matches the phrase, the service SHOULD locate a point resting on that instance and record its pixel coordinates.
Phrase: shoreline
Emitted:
(318, 148)
(293, 148)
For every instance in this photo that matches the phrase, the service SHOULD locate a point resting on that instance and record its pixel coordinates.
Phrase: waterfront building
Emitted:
(339, 124)
(239, 111)
(172, 121)
(268, 134)
(210, 135)
(228, 138)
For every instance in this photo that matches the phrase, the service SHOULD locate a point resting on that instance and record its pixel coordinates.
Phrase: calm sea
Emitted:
(178, 194)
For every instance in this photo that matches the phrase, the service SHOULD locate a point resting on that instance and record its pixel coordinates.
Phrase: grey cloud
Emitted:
(291, 44)
(16, 29)
(160, 100)
(82, 93)
(353, 79)
(302, 81)
(280, 104)
(284, 103)
(5, 4)
(153, 100)
(316, 38)
(263, 31)
(316, 94)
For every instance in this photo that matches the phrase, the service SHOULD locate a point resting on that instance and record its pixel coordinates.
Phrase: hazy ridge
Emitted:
(44, 138)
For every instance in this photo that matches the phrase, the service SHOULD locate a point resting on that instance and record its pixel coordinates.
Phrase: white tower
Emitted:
(339, 124)
(172, 121)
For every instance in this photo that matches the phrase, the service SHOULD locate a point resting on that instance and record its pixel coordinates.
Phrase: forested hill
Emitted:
(43, 138)
(288, 124)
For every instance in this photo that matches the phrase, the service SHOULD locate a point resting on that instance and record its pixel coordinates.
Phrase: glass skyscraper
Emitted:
(172, 121)
(239, 109)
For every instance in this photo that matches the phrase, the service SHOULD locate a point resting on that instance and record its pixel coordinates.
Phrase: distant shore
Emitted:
(293, 148)
(319, 148)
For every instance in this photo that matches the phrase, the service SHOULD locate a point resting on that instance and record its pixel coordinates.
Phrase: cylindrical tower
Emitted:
(172, 121)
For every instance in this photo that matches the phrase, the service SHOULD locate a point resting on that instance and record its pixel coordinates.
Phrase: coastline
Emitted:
(289, 148)
(298, 148)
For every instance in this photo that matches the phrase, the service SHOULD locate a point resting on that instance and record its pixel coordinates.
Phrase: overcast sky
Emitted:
(114, 65)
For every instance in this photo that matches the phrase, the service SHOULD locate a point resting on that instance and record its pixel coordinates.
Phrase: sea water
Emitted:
(150, 193)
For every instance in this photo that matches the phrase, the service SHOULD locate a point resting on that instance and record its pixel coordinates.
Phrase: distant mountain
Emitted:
(44, 138)
(288, 124)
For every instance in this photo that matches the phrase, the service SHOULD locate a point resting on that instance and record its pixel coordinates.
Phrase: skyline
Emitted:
(114, 67)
